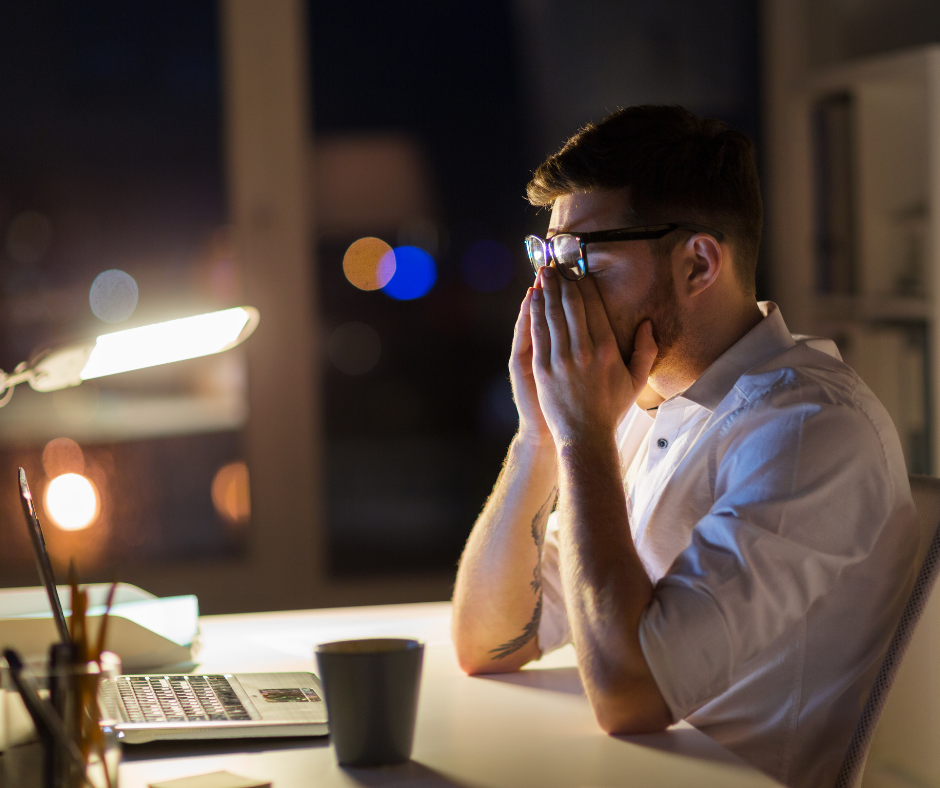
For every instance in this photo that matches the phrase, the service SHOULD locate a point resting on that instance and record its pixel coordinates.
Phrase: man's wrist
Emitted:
(533, 448)
(587, 449)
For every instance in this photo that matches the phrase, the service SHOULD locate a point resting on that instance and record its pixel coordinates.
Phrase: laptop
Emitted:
(152, 707)
(221, 706)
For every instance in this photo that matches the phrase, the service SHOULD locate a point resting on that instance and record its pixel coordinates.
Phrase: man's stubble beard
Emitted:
(662, 310)
(667, 321)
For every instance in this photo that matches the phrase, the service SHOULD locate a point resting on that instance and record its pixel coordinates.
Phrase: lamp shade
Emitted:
(147, 346)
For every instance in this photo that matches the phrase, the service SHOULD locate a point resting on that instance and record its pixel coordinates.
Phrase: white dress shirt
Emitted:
(770, 506)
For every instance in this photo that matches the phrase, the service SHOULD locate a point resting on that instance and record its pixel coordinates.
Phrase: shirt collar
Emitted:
(767, 339)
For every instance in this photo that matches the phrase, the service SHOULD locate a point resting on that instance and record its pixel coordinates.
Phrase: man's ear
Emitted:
(702, 261)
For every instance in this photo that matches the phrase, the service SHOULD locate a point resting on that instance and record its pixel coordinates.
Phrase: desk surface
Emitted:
(531, 728)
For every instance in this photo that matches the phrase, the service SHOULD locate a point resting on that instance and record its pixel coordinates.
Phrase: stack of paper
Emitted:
(144, 631)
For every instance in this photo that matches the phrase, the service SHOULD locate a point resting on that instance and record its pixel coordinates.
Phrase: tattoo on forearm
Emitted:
(528, 633)
(531, 629)
(539, 523)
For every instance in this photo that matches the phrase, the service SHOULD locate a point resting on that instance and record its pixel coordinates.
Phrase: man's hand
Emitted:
(498, 594)
(584, 388)
(532, 427)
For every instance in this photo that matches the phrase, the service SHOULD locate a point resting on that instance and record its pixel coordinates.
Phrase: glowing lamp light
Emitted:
(134, 348)
(163, 343)
(72, 502)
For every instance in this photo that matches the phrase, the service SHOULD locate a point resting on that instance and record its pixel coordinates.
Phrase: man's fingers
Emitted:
(575, 316)
(554, 310)
(644, 354)
(598, 324)
(522, 336)
(541, 338)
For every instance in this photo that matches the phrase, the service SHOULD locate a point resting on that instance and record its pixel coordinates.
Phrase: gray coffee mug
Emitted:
(371, 693)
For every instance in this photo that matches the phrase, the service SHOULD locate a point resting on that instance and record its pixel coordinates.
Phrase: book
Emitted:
(146, 632)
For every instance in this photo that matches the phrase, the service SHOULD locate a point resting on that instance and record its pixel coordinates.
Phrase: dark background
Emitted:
(112, 127)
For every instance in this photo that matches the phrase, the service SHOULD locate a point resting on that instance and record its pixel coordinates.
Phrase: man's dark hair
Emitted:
(677, 168)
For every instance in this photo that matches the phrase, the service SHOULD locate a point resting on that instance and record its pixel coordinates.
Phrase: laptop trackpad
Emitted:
(293, 697)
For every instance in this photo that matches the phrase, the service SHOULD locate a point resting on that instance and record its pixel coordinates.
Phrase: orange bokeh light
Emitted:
(230, 493)
(361, 263)
(62, 455)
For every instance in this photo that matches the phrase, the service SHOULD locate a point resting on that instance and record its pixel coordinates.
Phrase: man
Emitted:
(734, 536)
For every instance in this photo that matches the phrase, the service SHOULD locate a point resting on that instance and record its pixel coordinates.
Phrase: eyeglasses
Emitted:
(568, 251)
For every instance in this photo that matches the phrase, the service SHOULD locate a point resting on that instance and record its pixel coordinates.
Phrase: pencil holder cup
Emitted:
(84, 697)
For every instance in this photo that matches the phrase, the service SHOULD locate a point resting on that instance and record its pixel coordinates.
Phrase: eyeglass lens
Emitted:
(566, 251)
(535, 246)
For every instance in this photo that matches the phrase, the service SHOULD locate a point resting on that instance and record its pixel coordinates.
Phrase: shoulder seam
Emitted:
(786, 382)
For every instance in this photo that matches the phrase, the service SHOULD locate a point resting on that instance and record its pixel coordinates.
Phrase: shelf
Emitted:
(870, 308)
(33, 417)
(904, 66)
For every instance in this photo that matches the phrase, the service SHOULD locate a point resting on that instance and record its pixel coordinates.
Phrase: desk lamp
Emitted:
(134, 348)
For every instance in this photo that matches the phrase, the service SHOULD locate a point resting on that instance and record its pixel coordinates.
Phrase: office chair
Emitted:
(926, 492)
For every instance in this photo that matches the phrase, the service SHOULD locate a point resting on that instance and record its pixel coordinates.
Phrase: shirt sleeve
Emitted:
(554, 630)
(801, 491)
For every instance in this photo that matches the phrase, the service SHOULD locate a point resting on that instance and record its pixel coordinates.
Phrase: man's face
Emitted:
(633, 283)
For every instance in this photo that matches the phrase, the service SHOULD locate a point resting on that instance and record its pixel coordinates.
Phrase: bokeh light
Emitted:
(62, 455)
(71, 501)
(113, 296)
(28, 237)
(415, 274)
(487, 266)
(230, 493)
(354, 348)
(365, 266)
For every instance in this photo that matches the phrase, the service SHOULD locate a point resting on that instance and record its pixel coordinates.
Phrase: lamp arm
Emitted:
(49, 370)
(22, 373)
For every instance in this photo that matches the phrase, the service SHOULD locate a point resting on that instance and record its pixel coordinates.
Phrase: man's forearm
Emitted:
(498, 593)
(606, 589)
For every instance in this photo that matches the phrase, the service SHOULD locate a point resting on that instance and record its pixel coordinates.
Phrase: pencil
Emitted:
(103, 626)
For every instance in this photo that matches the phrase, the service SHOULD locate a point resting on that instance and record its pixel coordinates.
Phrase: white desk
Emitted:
(532, 728)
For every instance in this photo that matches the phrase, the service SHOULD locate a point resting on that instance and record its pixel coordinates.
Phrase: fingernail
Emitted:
(536, 295)
(548, 271)
(649, 329)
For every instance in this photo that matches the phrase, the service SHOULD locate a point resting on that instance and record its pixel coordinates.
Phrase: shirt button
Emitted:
(662, 443)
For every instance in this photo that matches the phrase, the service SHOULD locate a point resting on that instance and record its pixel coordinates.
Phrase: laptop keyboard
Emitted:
(179, 699)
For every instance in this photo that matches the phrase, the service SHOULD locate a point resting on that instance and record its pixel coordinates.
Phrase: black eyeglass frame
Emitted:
(649, 232)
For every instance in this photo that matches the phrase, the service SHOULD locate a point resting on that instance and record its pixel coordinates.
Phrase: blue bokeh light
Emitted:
(415, 274)
(487, 266)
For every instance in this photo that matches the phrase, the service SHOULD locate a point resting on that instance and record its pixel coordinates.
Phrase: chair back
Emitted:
(926, 492)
